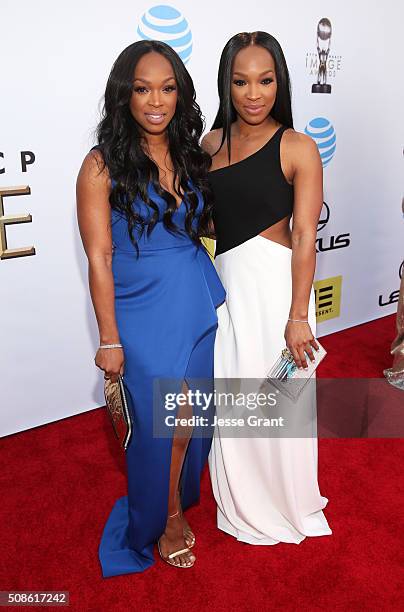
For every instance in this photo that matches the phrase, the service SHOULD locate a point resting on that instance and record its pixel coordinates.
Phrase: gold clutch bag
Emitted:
(117, 407)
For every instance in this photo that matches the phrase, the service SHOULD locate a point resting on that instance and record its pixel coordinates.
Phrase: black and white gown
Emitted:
(265, 488)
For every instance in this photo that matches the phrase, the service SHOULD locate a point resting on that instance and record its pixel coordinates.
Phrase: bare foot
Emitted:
(173, 540)
(188, 533)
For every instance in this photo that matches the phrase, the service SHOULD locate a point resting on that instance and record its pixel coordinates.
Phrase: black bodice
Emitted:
(250, 195)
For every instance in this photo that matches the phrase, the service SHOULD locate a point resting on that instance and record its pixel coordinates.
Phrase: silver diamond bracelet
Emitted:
(110, 346)
(298, 320)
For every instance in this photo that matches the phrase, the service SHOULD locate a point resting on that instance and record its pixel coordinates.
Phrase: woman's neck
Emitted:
(155, 142)
(244, 131)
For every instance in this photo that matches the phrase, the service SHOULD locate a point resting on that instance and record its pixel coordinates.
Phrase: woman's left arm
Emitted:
(308, 200)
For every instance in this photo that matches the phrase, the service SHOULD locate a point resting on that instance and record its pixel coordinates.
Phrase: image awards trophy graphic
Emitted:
(323, 49)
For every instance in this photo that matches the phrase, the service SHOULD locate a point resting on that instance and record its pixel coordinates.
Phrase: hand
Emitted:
(111, 361)
(299, 339)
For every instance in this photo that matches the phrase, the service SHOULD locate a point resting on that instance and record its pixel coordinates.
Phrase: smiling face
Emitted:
(154, 97)
(253, 88)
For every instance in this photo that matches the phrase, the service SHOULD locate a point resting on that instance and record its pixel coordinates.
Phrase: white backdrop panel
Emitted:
(56, 58)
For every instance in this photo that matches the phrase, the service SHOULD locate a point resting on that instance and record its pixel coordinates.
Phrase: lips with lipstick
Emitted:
(155, 118)
(254, 109)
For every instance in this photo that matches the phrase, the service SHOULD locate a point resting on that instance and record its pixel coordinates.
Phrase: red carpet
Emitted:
(59, 481)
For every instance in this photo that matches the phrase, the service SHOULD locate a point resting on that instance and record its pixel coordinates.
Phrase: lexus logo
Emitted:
(324, 217)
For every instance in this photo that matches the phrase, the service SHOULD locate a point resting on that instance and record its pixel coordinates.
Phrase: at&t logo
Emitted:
(166, 23)
(322, 132)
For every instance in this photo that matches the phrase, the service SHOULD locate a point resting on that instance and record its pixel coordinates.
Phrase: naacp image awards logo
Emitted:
(323, 65)
(27, 158)
(167, 24)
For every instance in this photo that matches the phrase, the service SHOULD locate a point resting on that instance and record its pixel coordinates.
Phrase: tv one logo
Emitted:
(328, 298)
(167, 24)
(394, 295)
(330, 243)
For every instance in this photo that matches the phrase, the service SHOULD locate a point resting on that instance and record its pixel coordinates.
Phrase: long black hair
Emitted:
(282, 109)
(119, 140)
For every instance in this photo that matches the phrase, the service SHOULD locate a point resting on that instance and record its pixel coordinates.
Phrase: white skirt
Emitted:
(265, 488)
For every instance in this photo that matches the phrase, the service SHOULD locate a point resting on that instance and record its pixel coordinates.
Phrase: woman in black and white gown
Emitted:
(264, 173)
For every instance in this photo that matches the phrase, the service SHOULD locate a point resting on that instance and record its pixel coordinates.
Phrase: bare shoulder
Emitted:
(93, 170)
(300, 148)
(212, 140)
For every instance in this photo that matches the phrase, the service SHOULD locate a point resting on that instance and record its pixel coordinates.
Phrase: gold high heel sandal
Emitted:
(176, 553)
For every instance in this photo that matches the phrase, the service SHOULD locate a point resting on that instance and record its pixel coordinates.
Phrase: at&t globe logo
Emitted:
(323, 133)
(166, 24)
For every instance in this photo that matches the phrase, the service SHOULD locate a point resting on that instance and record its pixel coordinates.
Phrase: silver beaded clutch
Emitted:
(117, 407)
(286, 376)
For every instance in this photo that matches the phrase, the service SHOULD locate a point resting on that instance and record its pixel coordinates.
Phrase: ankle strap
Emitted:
(172, 515)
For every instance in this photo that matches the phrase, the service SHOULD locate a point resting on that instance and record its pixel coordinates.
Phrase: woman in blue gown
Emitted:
(143, 202)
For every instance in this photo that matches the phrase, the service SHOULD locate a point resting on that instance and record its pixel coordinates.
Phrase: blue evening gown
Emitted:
(165, 305)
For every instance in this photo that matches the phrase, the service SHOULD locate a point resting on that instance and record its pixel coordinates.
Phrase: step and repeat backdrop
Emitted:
(345, 66)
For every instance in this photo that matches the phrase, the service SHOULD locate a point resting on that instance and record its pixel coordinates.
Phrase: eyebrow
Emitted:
(244, 74)
(170, 78)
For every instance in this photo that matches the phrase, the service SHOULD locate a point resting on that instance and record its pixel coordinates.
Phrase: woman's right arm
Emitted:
(94, 219)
